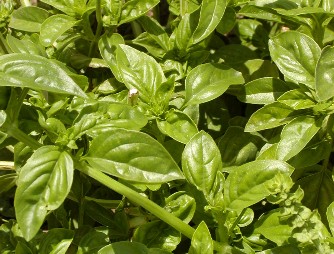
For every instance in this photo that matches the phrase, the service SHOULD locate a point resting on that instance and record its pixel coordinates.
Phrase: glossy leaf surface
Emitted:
(201, 241)
(135, 8)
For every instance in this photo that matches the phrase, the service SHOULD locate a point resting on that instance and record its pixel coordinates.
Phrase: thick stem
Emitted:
(98, 29)
(135, 197)
(22, 137)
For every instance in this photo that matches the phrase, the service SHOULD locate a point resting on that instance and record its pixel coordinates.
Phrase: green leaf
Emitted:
(7, 181)
(93, 240)
(201, 241)
(297, 99)
(57, 240)
(208, 81)
(133, 9)
(178, 126)
(295, 136)
(43, 184)
(26, 45)
(270, 116)
(146, 78)
(296, 55)
(72, 8)
(181, 205)
(201, 160)
(3, 117)
(227, 22)
(54, 26)
(263, 90)
(330, 217)
(36, 72)
(132, 156)
(28, 19)
(211, 13)
(184, 31)
(324, 75)
(252, 182)
(124, 247)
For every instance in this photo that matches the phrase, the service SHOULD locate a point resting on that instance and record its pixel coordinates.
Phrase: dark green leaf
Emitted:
(135, 8)
(208, 81)
(7, 181)
(28, 19)
(36, 72)
(57, 240)
(43, 184)
(93, 241)
(178, 126)
(133, 156)
(296, 55)
(201, 241)
(227, 22)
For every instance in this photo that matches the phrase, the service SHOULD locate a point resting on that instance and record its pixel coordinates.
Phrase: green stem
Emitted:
(136, 28)
(98, 29)
(22, 137)
(135, 197)
(236, 221)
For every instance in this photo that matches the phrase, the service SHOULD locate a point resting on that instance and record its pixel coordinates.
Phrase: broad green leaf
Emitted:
(178, 126)
(270, 116)
(93, 240)
(324, 74)
(260, 12)
(328, 5)
(296, 55)
(72, 8)
(28, 19)
(133, 9)
(295, 136)
(211, 13)
(272, 228)
(107, 47)
(201, 241)
(183, 33)
(330, 217)
(25, 45)
(145, 40)
(208, 81)
(251, 182)
(124, 247)
(57, 240)
(182, 7)
(54, 26)
(263, 90)
(297, 99)
(7, 181)
(181, 205)
(146, 78)
(249, 30)
(227, 22)
(36, 72)
(43, 184)
(201, 160)
(132, 156)
(238, 147)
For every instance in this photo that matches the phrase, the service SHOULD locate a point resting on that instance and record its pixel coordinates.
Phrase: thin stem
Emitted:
(135, 197)
(98, 29)
(236, 221)
(22, 137)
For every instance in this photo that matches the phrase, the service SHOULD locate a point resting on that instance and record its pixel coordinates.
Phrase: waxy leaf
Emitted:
(38, 73)
(72, 8)
(211, 13)
(26, 45)
(43, 184)
(135, 8)
(324, 74)
(54, 26)
(201, 160)
(296, 55)
(208, 81)
(270, 116)
(330, 217)
(297, 99)
(263, 90)
(133, 156)
(249, 183)
(201, 241)
(295, 136)
(178, 126)
(28, 18)
(56, 241)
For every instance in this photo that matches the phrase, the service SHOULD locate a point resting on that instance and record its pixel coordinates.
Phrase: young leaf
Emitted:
(201, 160)
(324, 74)
(249, 183)
(297, 99)
(178, 126)
(201, 241)
(208, 81)
(135, 8)
(296, 55)
(38, 73)
(132, 156)
(54, 26)
(28, 18)
(295, 136)
(211, 13)
(43, 184)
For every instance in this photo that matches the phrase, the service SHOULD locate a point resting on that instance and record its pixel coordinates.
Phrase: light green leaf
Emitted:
(263, 90)
(3, 117)
(56, 240)
(26, 45)
(330, 217)
(181, 205)
(178, 126)
(251, 182)
(72, 8)
(296, 55)
(43, 184)
(28, 18)
(133, 9)
(54, 26)
(201, 160)
(208, 81)
(132, 156)
(270, 116)
(211, 13)
(124, 247)
(324, 74)
(201, 241)
(295, 136)
(36, 72)
(297, 99)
